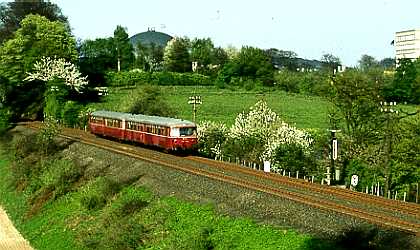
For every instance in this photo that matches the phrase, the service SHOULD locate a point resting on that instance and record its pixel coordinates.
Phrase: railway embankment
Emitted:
(226, 198)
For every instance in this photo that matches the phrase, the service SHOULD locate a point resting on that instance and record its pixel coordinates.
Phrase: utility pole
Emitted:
(195, 100)
(334, 154)
(387, 107)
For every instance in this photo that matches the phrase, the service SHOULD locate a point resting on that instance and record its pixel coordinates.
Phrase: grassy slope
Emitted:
(171, 224)
(224, 105)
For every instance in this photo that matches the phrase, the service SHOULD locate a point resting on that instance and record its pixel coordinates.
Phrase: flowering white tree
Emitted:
(255, 135)
(264, 127)
(48, 69)
(211, 136)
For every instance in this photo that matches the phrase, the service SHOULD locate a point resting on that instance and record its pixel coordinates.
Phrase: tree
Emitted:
(36, 38)
(149, 57)
(283, 59)
(12, 13)
(387, 63)
(123, 49)
(149, 101)
(202, 52)
(367, 62)
(176, 57)
(404, 78)
(251, 63)
(96, 57)
(330, 62)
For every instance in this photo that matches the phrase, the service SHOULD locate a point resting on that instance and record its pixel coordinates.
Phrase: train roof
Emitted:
(158, 120)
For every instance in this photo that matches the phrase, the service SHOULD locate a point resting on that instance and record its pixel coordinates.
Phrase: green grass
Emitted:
(224, 105)
(135, 216)
(46, 229)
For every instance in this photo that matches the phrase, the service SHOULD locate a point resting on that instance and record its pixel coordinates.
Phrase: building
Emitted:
(407, 44)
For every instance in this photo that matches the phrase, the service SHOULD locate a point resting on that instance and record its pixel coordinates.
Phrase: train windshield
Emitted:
(187, 131)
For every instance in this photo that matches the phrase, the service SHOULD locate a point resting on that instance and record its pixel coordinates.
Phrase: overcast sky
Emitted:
(345, 28)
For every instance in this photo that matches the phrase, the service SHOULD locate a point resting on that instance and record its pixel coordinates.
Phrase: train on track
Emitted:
(166, 133)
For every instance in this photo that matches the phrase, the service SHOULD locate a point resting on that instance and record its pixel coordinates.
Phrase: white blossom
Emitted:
(263, 123)
(48, 69)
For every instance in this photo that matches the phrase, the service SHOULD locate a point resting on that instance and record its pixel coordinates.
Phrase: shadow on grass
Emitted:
(369, 237)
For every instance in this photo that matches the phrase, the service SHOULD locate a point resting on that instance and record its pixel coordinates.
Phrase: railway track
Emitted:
(410, 227)
(389, 204)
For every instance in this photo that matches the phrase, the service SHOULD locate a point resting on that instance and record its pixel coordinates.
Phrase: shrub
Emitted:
(96, 194)
(70, 114)
(59, 176)
(130, 200)
(4, 119)
(133, 78)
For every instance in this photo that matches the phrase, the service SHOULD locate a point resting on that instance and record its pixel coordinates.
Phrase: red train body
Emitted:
(167, 133)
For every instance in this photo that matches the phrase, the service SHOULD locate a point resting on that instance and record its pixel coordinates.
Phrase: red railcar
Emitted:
(167, 133)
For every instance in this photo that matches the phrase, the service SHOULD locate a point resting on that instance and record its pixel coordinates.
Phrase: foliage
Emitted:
(132, 78)
(176, 57)
(368, 62)
(37, 38)
(211, 136)
(4, 120)
(48, 132)
(148, 101)
(208, 57)
(255, 136)
(96, 58)
(70, 114)
(251, 63)
(356, 98)
(330, 62)
(59, 175)
(283, 59)
(12, 13)
(149, 57)
(405, 75)
(97, 193)
(52, 107)
(123, 48)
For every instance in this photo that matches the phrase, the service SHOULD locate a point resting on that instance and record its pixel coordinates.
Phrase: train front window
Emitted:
(187, 131)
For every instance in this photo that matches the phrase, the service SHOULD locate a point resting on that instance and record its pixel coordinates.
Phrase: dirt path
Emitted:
(10, 238)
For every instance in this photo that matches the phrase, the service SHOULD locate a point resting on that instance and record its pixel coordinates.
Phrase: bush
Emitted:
(59, 176)
(97, 193)
(130, 200)
(292, 157)
(134, 78)
(147, 100)
(4, 120)
(70, 114)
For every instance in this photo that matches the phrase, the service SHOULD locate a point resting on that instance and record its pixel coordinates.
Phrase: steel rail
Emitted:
(378, 219)
(389, 204)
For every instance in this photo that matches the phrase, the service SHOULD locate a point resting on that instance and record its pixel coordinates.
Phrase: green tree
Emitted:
(252, 63)
(123, 49)
(36, 38)
(176, 57)
(330, 62)
(12, 13)
(283, 59)
(367, 62)
(149, 57)
(149, 101)
(96, 58)
(387, 63)
(404, 79)
(202, 52)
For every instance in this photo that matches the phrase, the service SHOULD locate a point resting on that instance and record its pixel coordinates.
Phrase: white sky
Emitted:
(345, 28)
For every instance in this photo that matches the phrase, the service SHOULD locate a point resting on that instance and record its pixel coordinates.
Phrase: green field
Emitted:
(224, 105)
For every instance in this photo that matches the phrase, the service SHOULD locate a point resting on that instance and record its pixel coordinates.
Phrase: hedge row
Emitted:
(133, 78)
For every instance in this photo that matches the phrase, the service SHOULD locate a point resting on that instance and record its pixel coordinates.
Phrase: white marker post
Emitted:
(267, 166)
